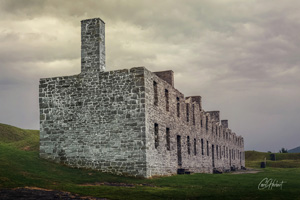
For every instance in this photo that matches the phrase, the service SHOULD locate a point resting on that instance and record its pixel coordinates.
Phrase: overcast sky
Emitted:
(242, 57)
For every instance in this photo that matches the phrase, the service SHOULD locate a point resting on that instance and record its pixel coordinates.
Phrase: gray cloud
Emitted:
(240, 56)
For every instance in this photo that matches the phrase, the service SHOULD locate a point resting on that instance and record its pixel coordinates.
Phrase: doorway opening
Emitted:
(213, 155)
(179, 158)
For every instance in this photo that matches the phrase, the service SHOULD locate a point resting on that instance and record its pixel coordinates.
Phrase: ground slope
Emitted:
(282, 160)
(20, 166)
(19, 138)
(294, 150)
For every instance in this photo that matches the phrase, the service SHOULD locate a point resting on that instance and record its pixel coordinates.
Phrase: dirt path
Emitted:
(247, 171)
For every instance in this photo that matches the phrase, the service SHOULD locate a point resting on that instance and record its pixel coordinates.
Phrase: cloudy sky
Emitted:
(242, 57)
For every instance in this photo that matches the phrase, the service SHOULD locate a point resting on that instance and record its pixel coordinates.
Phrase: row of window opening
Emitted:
(214, 129)
(219, 152)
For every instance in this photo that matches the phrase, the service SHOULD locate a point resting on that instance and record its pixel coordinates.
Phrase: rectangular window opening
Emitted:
(188, 145)
(202, 147)
(227, 152)
(193, 110)
(155, 93)
(178, 107)
(168, 138)
(195, 146)
(187, 112)
(156, 135)
(167, 99)
(207, 148)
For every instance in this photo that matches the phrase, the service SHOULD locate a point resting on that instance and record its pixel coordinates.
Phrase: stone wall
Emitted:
(193, 125)
(92, 46)
(167, 76)
(95, 123)
(129, 121)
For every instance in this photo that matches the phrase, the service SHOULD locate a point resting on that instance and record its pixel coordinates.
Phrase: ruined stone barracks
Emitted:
(130, 121)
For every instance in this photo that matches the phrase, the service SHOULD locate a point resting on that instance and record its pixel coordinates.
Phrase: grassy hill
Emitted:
(294, 150)
(20, 166)
(19, 138)
(256, 155)
(283, 160)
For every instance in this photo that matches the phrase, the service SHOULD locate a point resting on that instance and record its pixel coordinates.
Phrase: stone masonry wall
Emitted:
(129, 121)
(224, 149)
(95, 123)
(92, 46)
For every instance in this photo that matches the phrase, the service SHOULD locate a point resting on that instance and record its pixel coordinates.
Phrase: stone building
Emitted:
(129, 121)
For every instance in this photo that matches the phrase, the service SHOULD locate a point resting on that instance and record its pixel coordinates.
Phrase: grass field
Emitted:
(20, 166)
(283, 160)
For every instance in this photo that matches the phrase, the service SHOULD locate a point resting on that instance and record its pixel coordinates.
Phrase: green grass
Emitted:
(19, 138)
(21, 167)
(256, 156)
(283, 160)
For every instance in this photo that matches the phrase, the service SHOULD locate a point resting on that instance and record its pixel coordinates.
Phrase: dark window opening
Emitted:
(178, 107)
(206, 123)
(179, 150)
(217, 150)
(187, 112)
(167, 99)
(201, 122)
(155, 93)
(233, 153)
(195, 146)
(188, 145)
(207, 148)
(227, 152)
(168, 138)
(156, 135)
(213, 154)
(202, 147)
(193, 110)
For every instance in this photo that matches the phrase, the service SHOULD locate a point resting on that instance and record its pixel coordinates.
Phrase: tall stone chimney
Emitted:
(92, 45)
